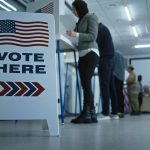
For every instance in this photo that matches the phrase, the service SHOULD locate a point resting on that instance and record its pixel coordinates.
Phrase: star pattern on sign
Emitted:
(7, 26)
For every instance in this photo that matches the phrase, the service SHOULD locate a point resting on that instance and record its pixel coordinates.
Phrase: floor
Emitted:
(129, 133)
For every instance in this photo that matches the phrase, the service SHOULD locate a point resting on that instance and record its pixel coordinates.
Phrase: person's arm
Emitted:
(92, 30)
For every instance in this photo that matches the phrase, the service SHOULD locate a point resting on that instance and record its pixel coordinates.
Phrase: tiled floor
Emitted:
(129, 133)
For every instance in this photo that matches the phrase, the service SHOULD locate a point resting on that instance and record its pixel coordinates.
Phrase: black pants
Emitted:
(107, 87)
(119, 93)
(140, 99)
(87, 65)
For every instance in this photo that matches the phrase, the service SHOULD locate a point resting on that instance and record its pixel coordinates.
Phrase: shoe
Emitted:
(84, 117)
(121, 115)
(104, 117)
(93, 115)
(114, 117)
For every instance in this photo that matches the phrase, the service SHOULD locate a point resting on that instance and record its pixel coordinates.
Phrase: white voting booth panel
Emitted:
(63, 22)
(28, 68)
(55, 7)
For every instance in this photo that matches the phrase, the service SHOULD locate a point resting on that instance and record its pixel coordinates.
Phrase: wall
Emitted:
(141, 64)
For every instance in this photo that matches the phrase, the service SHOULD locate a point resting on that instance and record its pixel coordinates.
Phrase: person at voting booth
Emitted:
(133, 91)
(119, 75)
(106, 70)
(86, 31)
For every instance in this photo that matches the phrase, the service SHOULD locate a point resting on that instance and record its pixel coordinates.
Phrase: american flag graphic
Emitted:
(47, 9)
(24, 34)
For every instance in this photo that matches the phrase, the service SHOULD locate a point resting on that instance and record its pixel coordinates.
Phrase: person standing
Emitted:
(119, 74)
(133, 91)
(140, 96)
(86, 32)
(106, 70)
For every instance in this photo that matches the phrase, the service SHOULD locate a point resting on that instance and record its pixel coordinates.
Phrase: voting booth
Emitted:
(64, 43)
(63, 21)
(28, 68)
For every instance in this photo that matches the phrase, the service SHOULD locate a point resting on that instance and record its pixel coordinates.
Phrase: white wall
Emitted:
(141, 65)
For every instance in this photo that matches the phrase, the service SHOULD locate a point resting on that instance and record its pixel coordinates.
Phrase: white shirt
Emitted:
(86, 51)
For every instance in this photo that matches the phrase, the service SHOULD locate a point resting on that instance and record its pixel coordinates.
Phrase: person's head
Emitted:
(139, 78)
(130, 68)
(80, 8)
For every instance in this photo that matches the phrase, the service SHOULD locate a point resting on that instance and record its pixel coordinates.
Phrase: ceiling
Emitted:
(112, 14)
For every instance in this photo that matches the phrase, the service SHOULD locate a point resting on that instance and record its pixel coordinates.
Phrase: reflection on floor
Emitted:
(129, 133)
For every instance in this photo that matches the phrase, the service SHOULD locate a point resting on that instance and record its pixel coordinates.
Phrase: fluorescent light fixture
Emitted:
(8, 5)
(128, 14)
(23, 2)
(5, 8)
(142, 46)
(134, 31)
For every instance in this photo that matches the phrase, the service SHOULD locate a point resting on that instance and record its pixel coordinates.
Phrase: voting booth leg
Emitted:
(60, 82)
(93, 87)
(77, 77)
(100, 99)
(76, 99)
(99, 104)
(66, 84)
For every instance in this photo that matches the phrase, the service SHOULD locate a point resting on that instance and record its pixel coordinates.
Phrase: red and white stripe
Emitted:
(27, 34)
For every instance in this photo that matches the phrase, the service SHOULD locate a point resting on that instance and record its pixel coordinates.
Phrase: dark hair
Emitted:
(81, 7)
(132, 68)
(139, 77)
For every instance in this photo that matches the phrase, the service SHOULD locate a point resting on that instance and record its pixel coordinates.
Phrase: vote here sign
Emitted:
(28, 68)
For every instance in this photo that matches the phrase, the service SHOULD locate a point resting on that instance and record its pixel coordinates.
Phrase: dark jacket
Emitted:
(104, 41)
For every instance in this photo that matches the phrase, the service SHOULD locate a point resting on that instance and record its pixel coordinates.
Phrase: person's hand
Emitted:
(71, 33)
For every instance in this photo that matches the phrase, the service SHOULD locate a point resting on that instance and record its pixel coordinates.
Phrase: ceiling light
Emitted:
(142, 46)
(8, 5)
(22, 2)
(5, 8)
(128, 14)
(134, 31)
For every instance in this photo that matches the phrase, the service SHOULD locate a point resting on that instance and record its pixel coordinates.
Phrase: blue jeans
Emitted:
(107, 85)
